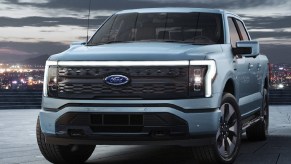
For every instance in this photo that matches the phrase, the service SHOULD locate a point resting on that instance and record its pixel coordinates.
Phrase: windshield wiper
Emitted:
(115, 41)
(177, 41)
(161, 40)
(109, 42)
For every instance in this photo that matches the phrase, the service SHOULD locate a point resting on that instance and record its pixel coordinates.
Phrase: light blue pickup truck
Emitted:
(161, 76)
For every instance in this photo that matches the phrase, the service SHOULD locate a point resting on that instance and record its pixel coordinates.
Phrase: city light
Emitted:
(21, 77)
(280, 77)
(280, 86)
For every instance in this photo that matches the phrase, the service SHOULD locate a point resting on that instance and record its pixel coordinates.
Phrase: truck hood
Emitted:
(136, 51)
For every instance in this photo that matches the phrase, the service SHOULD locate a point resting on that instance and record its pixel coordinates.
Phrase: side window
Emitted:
(234, 37)
(242, 30)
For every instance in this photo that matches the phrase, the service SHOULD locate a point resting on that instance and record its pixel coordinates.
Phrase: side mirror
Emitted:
(247, 48)
(77, 44)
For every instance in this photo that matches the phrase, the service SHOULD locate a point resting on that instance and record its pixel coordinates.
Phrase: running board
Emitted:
(250, 123)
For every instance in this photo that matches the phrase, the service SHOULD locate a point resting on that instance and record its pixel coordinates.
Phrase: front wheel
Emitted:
(228, 136)
(62, 154)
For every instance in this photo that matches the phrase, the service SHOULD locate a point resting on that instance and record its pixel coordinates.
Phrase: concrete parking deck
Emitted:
(18, 144)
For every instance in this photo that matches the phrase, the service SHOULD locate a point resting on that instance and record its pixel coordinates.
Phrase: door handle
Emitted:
(250, 66)
(259, 66)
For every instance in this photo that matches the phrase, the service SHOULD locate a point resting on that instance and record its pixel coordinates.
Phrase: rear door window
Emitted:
(243, 31)
(234, 36)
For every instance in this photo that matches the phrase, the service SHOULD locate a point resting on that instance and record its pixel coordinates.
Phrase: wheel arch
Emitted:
(229, 87)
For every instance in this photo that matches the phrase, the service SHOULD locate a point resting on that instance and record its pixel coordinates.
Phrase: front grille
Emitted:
(145, 82)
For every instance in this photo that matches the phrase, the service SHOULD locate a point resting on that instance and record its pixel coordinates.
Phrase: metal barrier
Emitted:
(280, 97)
(32, 99)
(20, 99)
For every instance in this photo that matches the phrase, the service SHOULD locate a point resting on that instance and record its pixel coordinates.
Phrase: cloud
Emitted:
(108, 7)
(277, 53)
(227, 4)
(270, 22)
(48, 26)
(127, 4)
(274, 35)
(64, 34)
(33, 1)
(19, 51)
(9, 51)
(48, 21)
(15, 9)
(77, 5)
(35, 48)
(270, 29)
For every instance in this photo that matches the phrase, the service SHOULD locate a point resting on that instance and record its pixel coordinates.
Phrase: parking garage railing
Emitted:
(32, 99)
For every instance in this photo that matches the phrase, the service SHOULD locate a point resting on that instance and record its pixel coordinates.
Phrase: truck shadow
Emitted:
(143, 155)
(262, 150)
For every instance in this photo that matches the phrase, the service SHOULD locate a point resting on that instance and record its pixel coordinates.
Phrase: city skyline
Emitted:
(32, 28)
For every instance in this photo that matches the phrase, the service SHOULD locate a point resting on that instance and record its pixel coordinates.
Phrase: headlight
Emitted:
(197, 81)
(201, 75)
(50, 87)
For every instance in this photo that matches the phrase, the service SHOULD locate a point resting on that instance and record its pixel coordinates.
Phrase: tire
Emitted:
(228, 137)
(62, 154)
(259, 130)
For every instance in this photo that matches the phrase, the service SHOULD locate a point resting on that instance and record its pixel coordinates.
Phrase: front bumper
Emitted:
(196, 141)
(199, 121)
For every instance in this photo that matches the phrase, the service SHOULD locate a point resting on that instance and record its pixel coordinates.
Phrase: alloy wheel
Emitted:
(227, 134)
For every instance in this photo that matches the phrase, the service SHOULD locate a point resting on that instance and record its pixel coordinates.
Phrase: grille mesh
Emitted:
(133, 71)
(145, 82)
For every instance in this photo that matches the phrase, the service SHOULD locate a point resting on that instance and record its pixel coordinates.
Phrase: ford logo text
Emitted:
(116, 80)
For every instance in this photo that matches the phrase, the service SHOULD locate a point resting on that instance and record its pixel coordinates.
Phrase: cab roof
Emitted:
(175, 10)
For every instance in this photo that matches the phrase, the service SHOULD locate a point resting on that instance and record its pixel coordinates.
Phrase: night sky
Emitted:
(29, 28)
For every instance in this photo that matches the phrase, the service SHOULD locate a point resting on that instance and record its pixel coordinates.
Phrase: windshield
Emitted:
(194, 28)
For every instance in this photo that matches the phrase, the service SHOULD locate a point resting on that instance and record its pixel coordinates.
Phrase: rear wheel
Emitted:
(259, 130)
(228, 136)
(62, 154)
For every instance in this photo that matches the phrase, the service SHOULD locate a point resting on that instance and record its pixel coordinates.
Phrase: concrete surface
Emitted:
(18, 144)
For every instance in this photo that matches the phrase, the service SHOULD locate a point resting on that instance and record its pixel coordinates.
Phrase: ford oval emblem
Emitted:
(116, 80)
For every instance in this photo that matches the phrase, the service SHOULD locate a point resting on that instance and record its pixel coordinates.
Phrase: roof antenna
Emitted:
(88, 21)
